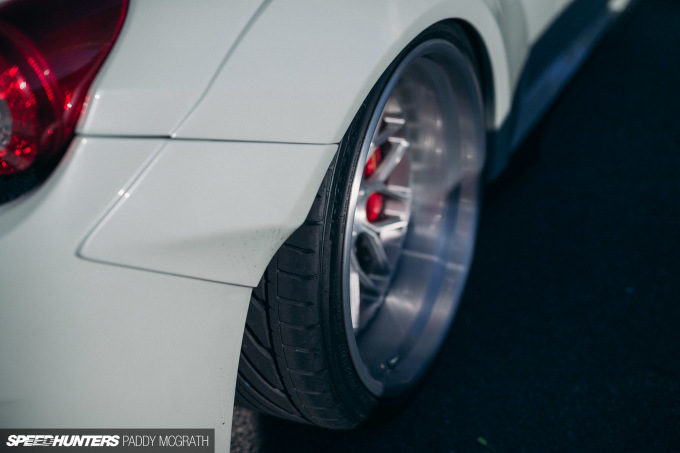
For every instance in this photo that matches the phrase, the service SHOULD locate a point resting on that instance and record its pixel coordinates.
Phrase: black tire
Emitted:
(302, 356)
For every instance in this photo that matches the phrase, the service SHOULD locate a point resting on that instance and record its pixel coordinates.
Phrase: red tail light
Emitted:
(50, 52)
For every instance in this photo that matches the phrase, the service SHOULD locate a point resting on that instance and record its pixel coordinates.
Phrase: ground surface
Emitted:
(568, 338)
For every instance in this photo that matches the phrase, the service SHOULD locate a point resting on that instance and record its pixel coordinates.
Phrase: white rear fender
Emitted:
(303, 68)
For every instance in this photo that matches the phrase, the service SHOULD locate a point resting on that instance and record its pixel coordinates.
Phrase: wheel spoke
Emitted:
(390, 162)
(386, 226)
(399, 192)
(394, 125)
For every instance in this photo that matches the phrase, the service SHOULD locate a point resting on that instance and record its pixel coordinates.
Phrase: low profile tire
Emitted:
(355, 305)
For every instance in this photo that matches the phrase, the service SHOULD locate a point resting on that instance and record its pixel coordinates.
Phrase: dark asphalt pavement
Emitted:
(568, 337)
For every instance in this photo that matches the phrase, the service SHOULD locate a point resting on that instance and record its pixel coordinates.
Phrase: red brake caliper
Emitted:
(376, 201)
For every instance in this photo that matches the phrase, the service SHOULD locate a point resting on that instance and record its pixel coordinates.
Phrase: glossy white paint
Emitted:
(211, 210)
(88, 345)
(249, 70)
(302, 77)
(536, 13)
(164, 58)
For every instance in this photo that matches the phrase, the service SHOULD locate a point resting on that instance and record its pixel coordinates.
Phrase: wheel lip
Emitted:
(373, 385)
(419, 51)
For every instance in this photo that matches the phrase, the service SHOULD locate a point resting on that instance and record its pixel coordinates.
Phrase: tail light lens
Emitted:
(50, 51)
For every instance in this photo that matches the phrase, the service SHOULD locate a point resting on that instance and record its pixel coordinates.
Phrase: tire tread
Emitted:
(281, 371)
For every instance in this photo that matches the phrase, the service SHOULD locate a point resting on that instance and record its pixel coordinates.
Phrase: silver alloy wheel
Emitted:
(412, 217)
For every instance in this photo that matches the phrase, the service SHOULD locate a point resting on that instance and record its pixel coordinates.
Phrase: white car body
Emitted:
(126, 276)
